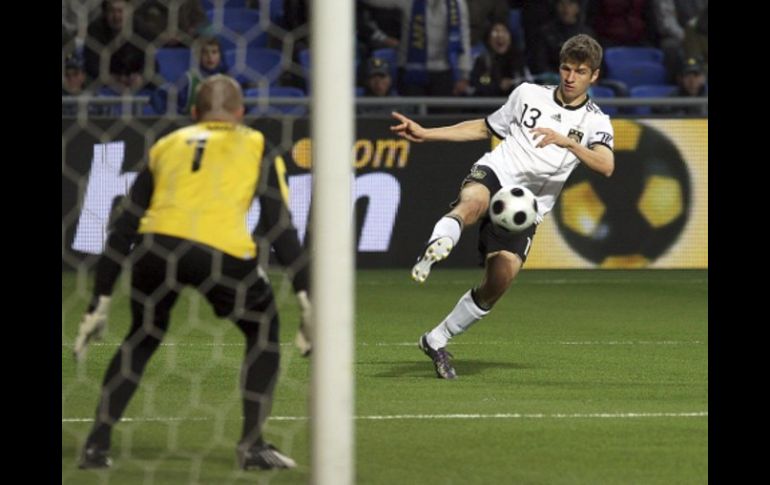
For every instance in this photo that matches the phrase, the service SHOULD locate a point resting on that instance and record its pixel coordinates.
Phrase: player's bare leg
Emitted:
(500, 269)
(473, 203)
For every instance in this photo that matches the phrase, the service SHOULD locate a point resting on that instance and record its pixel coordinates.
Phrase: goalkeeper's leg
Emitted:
(259, 374)
(256, 315)
(258, 378)
(150, 320)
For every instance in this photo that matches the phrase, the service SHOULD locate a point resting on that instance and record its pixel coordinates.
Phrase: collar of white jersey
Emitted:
(566, 106)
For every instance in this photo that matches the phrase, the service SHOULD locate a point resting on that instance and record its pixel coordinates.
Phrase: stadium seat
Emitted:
(603, 92)
(303, 57)
(237, 24)
(238, 19)
(259, 63)
(116, 109)
(613, 55)
(654, 91)
(276, 11)
(173, 63)
(230, 41)
(637, 73)
(276, 91)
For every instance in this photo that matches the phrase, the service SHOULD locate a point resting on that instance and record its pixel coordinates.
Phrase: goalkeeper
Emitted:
(184, 216)
(274, 217)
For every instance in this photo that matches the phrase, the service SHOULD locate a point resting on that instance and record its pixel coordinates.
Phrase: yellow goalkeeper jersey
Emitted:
(204, 179)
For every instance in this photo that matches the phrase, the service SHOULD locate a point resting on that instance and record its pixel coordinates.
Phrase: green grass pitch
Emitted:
(576, 377)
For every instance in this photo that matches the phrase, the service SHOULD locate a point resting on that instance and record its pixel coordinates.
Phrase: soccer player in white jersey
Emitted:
(546, 132)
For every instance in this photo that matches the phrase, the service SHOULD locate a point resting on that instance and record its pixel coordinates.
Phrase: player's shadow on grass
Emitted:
(424, 368)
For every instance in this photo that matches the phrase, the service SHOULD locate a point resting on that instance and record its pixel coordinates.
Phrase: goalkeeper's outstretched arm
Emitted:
(122, 234)
(275, 224)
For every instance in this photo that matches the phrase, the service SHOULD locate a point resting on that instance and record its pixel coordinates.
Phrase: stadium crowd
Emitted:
(163, 49)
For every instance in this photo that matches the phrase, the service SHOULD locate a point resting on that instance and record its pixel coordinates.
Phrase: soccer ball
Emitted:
(514, 208)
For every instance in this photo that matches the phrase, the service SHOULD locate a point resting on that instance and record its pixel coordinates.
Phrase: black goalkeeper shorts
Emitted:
(236, 289)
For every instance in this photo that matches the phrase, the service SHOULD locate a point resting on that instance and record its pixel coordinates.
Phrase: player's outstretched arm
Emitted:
(465, 131)
(407, 128)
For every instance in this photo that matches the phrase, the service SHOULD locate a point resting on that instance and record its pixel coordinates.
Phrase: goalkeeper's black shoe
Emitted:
(441, 359)
(263, 456)
(95, 457)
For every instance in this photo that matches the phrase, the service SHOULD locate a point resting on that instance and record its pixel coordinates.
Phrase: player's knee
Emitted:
(471, 209)
(505, 266)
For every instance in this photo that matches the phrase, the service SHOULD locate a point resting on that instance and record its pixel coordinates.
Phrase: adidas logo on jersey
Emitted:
(556, 117)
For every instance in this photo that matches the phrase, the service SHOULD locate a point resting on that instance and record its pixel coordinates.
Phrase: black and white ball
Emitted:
(514, 208)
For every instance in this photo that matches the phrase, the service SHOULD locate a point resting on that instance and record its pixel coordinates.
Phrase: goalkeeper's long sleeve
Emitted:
(122, 234)
(275, 225)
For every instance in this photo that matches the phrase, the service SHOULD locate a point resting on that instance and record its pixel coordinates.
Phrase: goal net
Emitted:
(129, 71)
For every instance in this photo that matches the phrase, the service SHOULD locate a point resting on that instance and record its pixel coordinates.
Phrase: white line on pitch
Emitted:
(385, 417)
(587, 342)
(555, 281)
(410, 344)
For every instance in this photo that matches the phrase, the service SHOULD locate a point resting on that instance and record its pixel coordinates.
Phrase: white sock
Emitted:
(447, 227)
(460, 319)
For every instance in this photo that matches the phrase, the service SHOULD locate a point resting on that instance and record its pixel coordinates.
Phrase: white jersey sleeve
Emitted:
(601, 133)
(500, 121)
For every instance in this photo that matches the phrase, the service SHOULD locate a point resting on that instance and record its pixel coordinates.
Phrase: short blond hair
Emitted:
(218, 93)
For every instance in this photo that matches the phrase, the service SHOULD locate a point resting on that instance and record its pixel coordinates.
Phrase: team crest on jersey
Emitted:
(575, 135)
(477, 173)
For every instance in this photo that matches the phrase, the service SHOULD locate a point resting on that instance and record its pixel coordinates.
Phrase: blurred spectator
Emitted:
(501, 68)
(691, 81)
(671, 17)
(154, 15)
(432, 33)
(378, 81)
(110, 32)
(126, 79)
(73, 83)
(622, 22)
(127, 69)
(74, 80)
(377, 28)
(482, 14)
(696, 38)
(211, 61)
(534, 14)
(69, 22)
(568, 23)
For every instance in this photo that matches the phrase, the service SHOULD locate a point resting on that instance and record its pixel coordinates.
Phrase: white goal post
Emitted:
(332, 125)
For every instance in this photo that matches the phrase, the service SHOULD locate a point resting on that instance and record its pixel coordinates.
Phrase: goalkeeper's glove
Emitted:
(303, 340)
(92, 326)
